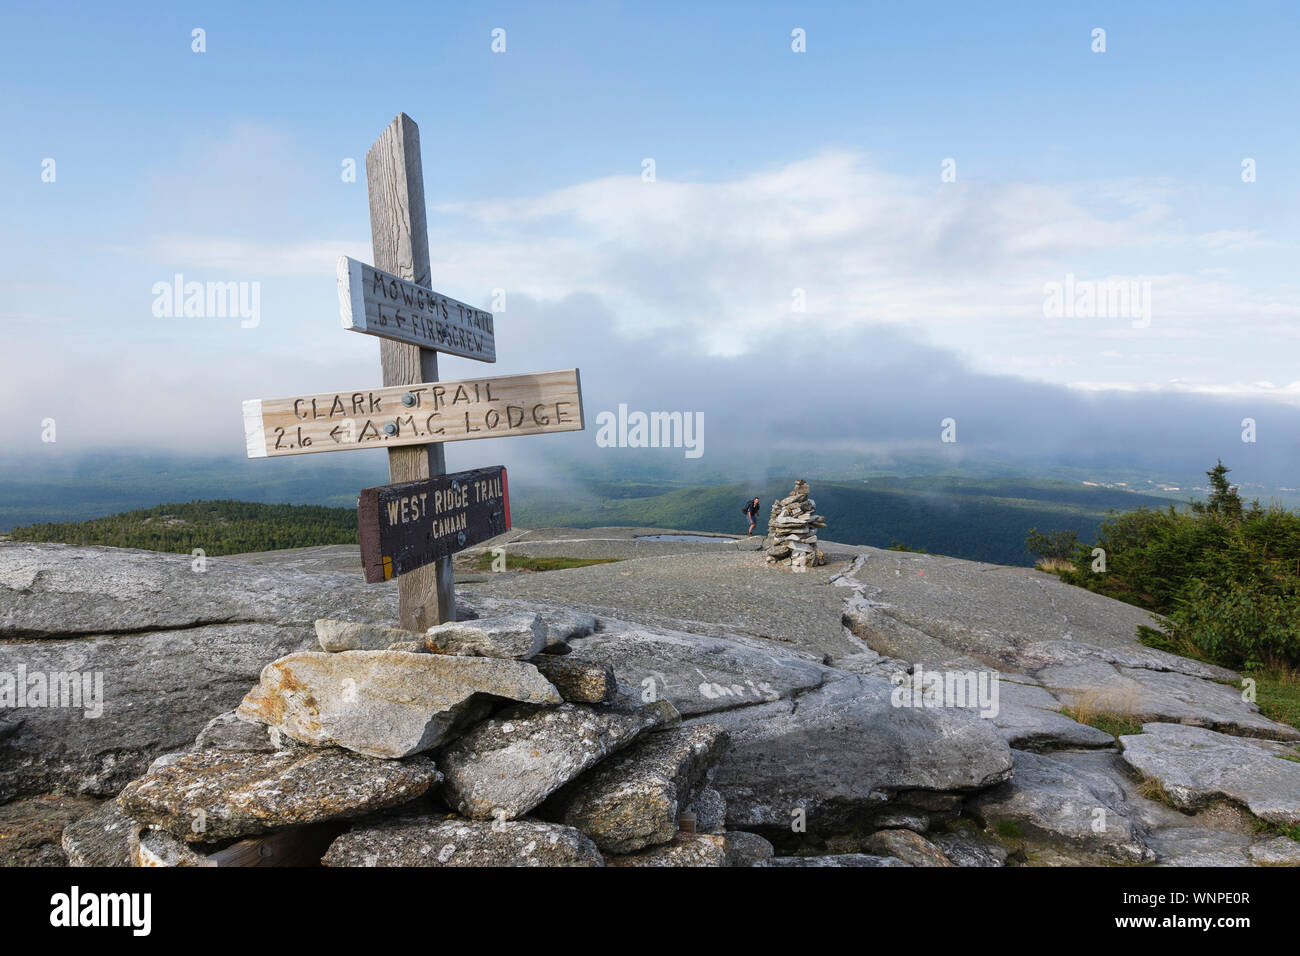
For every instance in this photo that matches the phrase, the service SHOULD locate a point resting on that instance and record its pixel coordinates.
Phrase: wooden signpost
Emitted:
(411, 528)
(406, 526)
(414, 414)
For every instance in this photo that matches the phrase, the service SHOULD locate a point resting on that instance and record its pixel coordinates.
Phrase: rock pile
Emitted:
(477, 744)
(792, 530)
(813, 733)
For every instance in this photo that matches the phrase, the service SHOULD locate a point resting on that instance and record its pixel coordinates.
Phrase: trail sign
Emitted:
(406, 526)
(414, 414)
(380, 303)
(430, 412)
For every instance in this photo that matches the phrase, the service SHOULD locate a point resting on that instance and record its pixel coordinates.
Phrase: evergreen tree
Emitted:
(1224, 500)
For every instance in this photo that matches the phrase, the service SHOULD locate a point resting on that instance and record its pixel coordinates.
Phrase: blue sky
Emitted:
(775, 170)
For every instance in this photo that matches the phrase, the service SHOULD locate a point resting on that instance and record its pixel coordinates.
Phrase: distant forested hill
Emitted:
(981, 519)
(218, 527)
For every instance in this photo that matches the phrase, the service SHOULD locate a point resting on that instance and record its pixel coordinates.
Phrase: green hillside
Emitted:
(218, 527)
(981, 519)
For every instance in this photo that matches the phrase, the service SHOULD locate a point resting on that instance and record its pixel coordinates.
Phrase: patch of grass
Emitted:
(1277, 687)
(1277, 691)
(1109, 709)
(1290, 830)
(1153, 789)
(900, 546)
(1053, 565)
(1117, 725)
(1158, 640)
(518, 562)
(1010, 829)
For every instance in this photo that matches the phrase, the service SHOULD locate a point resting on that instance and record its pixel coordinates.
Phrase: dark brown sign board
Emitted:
(408, 525)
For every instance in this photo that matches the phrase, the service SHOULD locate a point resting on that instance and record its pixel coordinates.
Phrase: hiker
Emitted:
(751, 511)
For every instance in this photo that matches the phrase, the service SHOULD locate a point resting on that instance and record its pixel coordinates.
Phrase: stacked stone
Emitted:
(478, 743)
(792, 530)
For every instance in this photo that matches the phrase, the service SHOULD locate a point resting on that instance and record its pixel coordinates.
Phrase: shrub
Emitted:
(1243, 626)
(1053, 546)
(1225, 577)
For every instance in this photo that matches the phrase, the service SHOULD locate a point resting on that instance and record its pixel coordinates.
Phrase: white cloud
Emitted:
(708, 269)
(714, 264)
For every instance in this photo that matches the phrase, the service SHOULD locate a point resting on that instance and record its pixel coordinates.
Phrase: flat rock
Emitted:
(1048, 799)
(513, 637)
(715, 591)
(564, 624)
(1150, 696)
(710, 809)
(159, 690)
(300, 846)
(172, 644)
(907, 846)
(843, 750)
(1107, 771)
(30, 829)
(1200, 846)
(212, 795)
(506, 766)
(59, 591)
(1029, 718)
(578, 681)
(1279, 851)
(101, 837)
(837, 859)
(967, 845)
(616, 541)
(437, 841)
(633, 799)
(699, 674)
(228, 732)
(360, 636)
(385, 703)
(1036, 655)
(686, 849)
(953, 608)
(158, 848)
(903, 820)
(872, 665)
(746, 849)
(1196, 766)
(664, 714)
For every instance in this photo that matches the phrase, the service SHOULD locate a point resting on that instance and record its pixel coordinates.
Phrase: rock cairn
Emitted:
(792, 530)
(479, 743)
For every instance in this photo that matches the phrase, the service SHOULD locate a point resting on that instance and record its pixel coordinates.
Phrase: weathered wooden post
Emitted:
(411, 528)
(399, 238)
